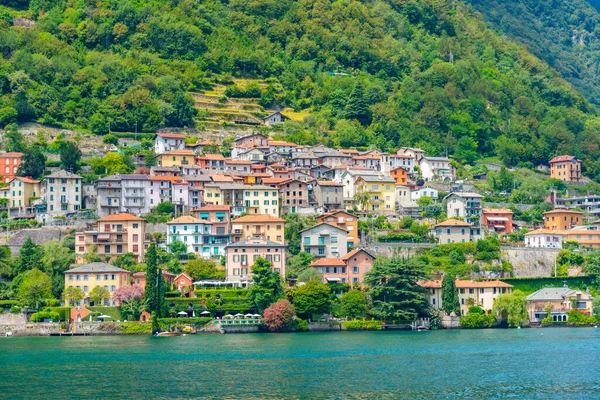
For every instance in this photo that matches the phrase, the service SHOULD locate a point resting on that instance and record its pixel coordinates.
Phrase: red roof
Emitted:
(171, 135)
(435, 284)
(174, 179)
(328, 262)
(120, 217)
(562, 159)
(212, 157)
(257, 218)
(213, 208)
(12, 154)
(355, 252)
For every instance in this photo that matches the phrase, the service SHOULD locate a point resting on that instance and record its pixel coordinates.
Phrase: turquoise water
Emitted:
(526, 363)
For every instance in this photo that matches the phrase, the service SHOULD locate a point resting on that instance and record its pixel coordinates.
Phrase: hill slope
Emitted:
(563, 33)
(382, 73)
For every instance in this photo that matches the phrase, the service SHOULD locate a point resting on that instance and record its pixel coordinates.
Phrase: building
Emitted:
(21, 192)
(168, 141)
(264, 226)
(113, 236)
(436, 168)
(403, 161)
(344, 220)
(589, 204)
(9, 165)
(139, 278)
(325, 240)
(62, 193)
(434, 292)
(587, 236)
(191, 231)
(211, 162)
(170, 189)
(382, 193)
(544, 238)
(497, 219)
(274, 119)
(465, 205)
(219, 217)
(456, 231)
(329, 195)
(565, 168)
(185, 284)
(294, 193)
(176, 158)
(400, 175)
(240, 258)
(414, 153)
(560, 300)
(424, 192)
(122, 193)
(358, 263)
(483, 293)
(559, 219)
(87, 277)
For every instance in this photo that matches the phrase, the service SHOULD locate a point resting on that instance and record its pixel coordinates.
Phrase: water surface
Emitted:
(526, 363)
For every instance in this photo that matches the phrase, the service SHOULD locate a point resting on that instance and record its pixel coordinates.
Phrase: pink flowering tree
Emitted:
(129, 299)
(279, 316)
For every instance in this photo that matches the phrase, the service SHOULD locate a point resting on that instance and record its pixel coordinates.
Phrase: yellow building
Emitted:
(176, 158)
(21, 192)
(87, 277)
(264, 226)
(260, 199)
(382, 193)
(113, 236)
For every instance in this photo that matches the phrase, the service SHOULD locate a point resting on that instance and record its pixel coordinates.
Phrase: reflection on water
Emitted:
(526, 363)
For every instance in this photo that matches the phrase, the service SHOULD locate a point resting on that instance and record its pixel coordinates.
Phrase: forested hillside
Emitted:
(564, 33)
(382, 73)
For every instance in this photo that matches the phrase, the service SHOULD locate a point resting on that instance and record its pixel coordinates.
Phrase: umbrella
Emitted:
(205, 313)
(238, 315)
(257, 315)
(103, 316)
(248, 315)
(229, 316)
(182, 313)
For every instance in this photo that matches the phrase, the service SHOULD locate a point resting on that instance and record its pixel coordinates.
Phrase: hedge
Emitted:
(362, 325)
(42, 315)
(530, 285)
(400, 237)
(8, 303)
(64, 313)
(135, 327)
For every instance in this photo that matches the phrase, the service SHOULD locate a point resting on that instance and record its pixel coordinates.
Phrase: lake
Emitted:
(526, 363)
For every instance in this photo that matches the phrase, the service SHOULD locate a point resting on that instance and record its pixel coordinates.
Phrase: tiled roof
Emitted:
(435, 284)
(281, 143)
(186, 219)
(329, 183)
(257, 218)
(482, 284)
(328, 262)
(177, 153)
(25, 179)
(12, 154)
(213, 208)
(498, 210)
(355, 252)
(274, 181)
(63, 174)
(237, 162)
(562, 211)
(212, 157)
(555, 293)
(453, 222)
(256, 242)
(543, 231)
(120, 217)
(173, 179)
(171, 135)
(95, 267)
(324, 223)
(562, 159)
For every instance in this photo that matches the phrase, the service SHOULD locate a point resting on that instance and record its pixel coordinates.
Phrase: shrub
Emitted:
(110, 139)
(578, 318)
(477, 318)
(362, 325)
(42, 315)
(135, 327)
(301, 324)
(279, 316)
(400, 237)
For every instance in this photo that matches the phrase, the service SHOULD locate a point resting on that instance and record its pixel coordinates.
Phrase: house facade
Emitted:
(264, 226)
(497, 219)
(382, 193)
(466, 205)
(566, 168)
(9, 165)
(344, 220)
(456, 231)
(168, 141)
(544, 238)
(240, 258)
(62, 193)
(483, 293)
(87, 277)
(560, 300)
(325, 240)
(559, 219)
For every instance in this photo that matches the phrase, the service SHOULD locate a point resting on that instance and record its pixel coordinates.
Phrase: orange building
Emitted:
(400, 175)
(497, 219)
(560, 220)
(344, 220)
(351, 268)
(565, 168)
(9, 164)
(139, 278)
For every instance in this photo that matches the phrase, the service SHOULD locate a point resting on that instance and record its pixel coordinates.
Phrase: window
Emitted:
(113, 277)
(355, 270)
(482, 290)
(98, 277)
(86, 277)
(135, 226)
(276, 258)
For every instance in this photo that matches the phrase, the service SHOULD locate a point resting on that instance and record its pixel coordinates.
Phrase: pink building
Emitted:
(240, 257)
(350, 268)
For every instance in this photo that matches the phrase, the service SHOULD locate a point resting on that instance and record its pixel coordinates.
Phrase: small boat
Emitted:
(168, 334)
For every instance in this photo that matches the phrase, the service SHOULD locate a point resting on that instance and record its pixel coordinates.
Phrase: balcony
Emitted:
(184, 162)
(325, 232)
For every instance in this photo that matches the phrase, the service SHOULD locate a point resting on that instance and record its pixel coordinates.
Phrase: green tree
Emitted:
(30, 257)
(70, 156)
(394, 290)
(310, 274)
(73, 295)
(201, 269)
(354, 304)
(165, 208)
(110, 139)
(55, 260)
(98, 294)
(357, 106)
(152, 292)
(6, 267)
(177, 247)
(14, 139)
(362, 199)
(34, 163)
(466, 150)
(477, 318)
(128, 262)
(450, 301)
(266, 289)
(298, 264)
(311, 298)
(511, 307)
(35, 287)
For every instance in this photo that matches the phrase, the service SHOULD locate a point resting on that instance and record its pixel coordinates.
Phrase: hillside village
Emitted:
(334, 211)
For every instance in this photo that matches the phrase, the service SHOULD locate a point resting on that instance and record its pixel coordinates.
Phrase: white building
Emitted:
(62, 193)
(402, 161)
(424, 192)
(456, 231)
(544, 238)
(168, 141)
(195, 233)
(274, 119)
(436, 168)
(466, 205)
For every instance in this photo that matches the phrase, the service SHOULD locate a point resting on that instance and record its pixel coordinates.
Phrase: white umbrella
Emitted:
(228, 316)
(205, 313)
(182, 313)
(238, 315)
(103, 316)
(248, 315)
(257, 315)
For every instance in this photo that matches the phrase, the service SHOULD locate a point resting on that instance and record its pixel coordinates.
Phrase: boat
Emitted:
(168, 334)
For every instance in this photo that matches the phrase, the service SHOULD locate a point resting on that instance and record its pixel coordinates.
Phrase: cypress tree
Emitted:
(357, 106)
(450, 295)
(150, 294)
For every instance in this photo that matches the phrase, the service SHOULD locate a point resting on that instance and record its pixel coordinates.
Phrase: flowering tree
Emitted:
(129, 298)
(279, 315)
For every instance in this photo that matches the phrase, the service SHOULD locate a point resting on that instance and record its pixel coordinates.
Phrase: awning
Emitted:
(333, 279)
(220, 215)
(237, 227)
(204, 215)
(499, 227)
(497, 219)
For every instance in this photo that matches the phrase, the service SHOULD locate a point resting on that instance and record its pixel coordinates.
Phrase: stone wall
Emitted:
(31, 329)
(8, 318)
(528, 262)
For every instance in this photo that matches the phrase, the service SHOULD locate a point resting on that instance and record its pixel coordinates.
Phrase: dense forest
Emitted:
(565, 34)
(383, 73)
